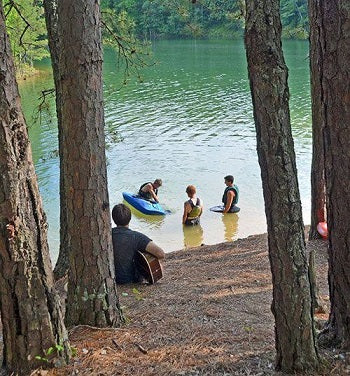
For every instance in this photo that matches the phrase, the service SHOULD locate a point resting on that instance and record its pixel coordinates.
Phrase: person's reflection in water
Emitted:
(193, 236)
(230, 222)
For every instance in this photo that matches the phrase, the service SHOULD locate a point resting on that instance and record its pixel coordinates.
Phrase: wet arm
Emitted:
(151, 191)
(230, 197)
(155, 198)
(184, 216)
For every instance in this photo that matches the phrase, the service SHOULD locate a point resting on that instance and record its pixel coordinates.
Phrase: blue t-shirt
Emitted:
(126, 243)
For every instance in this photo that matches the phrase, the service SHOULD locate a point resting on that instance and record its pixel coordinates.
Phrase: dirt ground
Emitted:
(209, 315)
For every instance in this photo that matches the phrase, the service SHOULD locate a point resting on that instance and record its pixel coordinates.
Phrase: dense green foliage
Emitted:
(202, 18)
(126, 22)
(295, 19)
(26, 28)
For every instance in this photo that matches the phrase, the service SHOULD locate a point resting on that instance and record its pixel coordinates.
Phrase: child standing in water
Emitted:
(193, 207)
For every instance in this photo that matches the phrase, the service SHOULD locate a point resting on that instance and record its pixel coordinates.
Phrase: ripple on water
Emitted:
(189, 122)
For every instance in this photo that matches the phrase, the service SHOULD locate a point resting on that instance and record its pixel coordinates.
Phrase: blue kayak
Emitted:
(144, 206)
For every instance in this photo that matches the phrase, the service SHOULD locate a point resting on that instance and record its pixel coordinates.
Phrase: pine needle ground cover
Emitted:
(209, 315)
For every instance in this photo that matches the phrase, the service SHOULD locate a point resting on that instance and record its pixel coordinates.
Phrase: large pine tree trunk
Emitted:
(51, 17)
(318, 188)
(291, 306)
(335, 60)
(92, 297)
(30, 311)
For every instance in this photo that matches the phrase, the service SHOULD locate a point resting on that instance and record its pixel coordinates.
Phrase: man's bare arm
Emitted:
(230, 197)
(186, 211)
(149, 188)
(155, 250)
(154, 196)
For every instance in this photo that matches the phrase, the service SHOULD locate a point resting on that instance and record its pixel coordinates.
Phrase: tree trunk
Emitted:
(51, 18)
(335, 61)
(318, 188)
(313, 282)
(92, 297)
(30, 310)
(291, 306)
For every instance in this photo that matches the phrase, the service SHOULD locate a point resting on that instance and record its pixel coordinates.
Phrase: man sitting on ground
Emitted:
(126, 243)
(149, 191)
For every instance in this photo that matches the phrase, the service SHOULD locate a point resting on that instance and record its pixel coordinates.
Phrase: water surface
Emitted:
(189, 122)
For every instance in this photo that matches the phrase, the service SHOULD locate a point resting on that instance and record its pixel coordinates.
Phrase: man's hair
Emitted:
(158, 182)
(229, 178)
(191, 190)
(121, 215)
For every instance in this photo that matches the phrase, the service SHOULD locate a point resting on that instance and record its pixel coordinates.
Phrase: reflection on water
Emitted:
(230, 221)
(149, 221)
(189, 122)
(193, 236)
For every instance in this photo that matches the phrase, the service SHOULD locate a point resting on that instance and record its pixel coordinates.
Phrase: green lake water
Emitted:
(189, 122)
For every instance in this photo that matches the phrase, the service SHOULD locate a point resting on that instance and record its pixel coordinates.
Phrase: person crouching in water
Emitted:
(126, 243)
(193, 207)
(149, 191)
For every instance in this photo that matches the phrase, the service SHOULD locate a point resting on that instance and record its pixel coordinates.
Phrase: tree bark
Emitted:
(51, 18)
(92, 297)
(313, 282)
(291, 306)
(30, 310)
(318, 184)
(335, 62)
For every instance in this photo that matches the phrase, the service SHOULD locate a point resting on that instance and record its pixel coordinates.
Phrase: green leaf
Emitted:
(50, 350)
(59, 347)
(41, 358)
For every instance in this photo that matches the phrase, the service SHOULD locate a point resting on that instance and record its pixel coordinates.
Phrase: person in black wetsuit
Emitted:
(193, 207)
(126, 243)
(149, 191)
(230, 196)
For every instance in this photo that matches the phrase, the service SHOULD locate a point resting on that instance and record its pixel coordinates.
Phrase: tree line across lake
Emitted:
(202, 18)
(147, 20)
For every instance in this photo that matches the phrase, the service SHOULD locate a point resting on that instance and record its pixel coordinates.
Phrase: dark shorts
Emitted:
(145, 196)
(192, 222)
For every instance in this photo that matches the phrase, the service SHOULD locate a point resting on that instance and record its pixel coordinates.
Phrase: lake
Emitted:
(189, 122)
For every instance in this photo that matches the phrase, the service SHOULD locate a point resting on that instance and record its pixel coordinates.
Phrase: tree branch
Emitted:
(12, 4)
